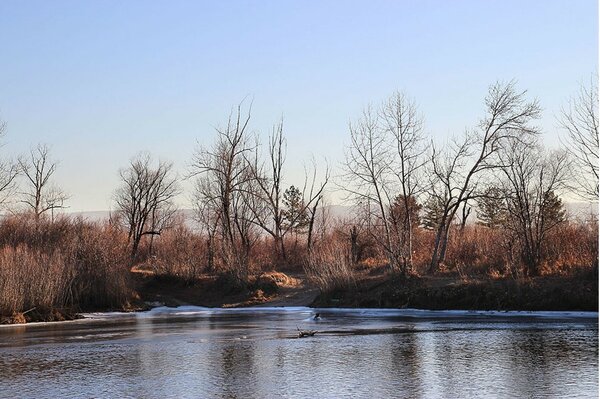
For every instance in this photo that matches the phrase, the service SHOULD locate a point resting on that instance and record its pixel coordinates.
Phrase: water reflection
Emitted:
(206, 353)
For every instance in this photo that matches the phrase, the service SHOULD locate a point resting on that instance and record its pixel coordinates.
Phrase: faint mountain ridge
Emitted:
(575, 210)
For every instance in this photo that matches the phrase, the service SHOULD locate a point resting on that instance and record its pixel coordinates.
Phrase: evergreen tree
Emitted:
(491, 208)
(552, 209)
(433, 212)
(295, 214)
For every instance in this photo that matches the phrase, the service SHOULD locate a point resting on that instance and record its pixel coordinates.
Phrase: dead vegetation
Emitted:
(64, 265)
(411, 222)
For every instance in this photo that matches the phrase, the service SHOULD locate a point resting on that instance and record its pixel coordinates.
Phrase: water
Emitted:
(192, 352)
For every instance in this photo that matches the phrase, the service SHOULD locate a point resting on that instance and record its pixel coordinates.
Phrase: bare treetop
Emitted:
(9, 171)
(145, 198)
(40, 195)
(580, 122)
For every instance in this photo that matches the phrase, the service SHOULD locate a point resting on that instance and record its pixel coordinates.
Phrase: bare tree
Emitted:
(580, 122)
(366, 177)
(267, 199)
(40, 195)
(455, 172)
(532, 179)
(266, 204)
(9, 170)
(145, 198)
(224, 177)
(313, 193)
(382, 173)
(405, 125)
(208, 216)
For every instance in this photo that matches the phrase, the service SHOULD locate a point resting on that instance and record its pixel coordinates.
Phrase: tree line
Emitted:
(397, 178)
(498, 165)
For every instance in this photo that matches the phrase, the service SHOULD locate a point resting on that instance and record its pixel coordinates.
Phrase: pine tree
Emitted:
(295, 214)
(492, 211)
(433, 212)
(552, 209)
(397, 210)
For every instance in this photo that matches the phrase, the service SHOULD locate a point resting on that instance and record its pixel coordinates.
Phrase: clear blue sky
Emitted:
(102, 80)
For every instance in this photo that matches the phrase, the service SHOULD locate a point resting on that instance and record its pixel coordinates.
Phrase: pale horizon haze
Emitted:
(101, 81)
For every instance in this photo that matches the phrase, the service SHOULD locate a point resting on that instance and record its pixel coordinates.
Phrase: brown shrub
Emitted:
(67, 263)
(329, 265)
(181, 253)
(477, 250)
(571, 248)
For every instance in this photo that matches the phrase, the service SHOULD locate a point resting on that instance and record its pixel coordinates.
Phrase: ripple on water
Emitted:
(203, 352)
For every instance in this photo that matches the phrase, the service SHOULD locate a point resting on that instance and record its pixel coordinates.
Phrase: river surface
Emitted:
(192, 352)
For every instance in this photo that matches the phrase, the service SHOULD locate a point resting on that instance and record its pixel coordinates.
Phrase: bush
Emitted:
(180, 253)
(64, 264)
(329, 265)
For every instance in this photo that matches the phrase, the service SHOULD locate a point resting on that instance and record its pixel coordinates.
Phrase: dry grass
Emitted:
(66, 264)
(281, 279)
(72, 263)
(329, 265)
(180, 253)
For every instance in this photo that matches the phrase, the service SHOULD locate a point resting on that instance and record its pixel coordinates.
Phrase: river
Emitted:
(193, 352)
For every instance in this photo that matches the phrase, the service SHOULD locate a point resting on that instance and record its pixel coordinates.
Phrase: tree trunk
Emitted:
(210, 255)
(435, 257)
(354, 244)
(279, 247)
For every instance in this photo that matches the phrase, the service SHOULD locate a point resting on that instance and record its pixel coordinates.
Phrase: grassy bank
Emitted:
(575, 293)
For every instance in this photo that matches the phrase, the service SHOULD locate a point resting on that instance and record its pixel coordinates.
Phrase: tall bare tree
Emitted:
(268, 179)
(366, 174)
(208, 216)
(580, 122)
(382, 173)
(267, 199)
(224, 177)
(405, 126)
(532, 179)
(40, 195)
(456, 171)
(145, 198)
(9, 170)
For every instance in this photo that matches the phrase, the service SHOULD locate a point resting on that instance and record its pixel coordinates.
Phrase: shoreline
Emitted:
(275, 289)
(412, 313)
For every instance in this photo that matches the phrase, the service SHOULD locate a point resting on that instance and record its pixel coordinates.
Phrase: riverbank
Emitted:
(575, 293)
(449, 293)
(551, 293)
(266, 289)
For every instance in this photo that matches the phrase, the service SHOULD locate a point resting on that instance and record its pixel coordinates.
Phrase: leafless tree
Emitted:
(382, 172)
(266, 204)
(266, 198)
(9, 170)
(366, 174)
(580, 122)
(313, 194)
(405, 126)
(532, 180)
(224, 178)
(456, 171)
(145, 198)
(208, 216)
(40, 195)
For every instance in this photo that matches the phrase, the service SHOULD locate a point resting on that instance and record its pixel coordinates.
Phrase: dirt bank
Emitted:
(267, 289)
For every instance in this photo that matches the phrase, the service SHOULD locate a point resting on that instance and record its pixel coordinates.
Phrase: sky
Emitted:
(100, 81)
